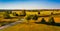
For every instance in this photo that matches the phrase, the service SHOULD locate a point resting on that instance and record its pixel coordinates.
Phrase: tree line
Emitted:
(7, 14)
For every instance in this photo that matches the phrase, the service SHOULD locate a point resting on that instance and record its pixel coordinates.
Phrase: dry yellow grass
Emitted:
(8, 19)
(57, 19)
(31, 13)
(32, 27)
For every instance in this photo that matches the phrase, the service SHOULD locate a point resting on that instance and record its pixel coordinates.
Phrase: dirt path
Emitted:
(3, 27)
(32, 27)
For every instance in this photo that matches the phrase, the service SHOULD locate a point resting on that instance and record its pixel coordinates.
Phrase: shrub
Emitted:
(51, 20)
(23, 13)
(15, 14)
(28, 17)
(35, 17)
(7, 16)
(43, 21)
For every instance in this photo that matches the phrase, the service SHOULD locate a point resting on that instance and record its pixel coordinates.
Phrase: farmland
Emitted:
(43, 13)
(30, 17)
(32, 27)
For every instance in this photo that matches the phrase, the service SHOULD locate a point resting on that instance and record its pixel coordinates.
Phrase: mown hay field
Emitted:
(32, 27)
(42, 13)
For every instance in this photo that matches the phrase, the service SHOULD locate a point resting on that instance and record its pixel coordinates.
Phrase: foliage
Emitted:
(15, 14)
(51, 20)
(35, 17)
(23, 13)
(39, 12)
(7, 16)
(43, 21)
(28, 17)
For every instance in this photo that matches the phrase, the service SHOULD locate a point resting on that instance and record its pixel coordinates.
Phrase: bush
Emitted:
(35, 17)
(15, 14)
(7, 16)
(28, 18)
(43, 21)
(51, 20)
(23, 13)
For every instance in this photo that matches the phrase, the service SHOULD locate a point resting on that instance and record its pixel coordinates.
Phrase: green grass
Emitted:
(32, 27)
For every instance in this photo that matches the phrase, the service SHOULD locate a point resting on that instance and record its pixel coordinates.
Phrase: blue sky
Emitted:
(29, 4)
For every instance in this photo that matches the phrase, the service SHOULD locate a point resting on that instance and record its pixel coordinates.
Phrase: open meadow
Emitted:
(38, 20)
(32, 27)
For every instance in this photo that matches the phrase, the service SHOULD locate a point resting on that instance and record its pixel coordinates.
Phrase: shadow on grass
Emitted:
(53, 24)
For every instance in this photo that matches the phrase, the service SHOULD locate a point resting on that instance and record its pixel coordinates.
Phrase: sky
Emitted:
(29, 4)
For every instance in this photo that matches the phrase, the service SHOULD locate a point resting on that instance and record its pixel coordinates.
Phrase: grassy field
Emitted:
(32, 27)
(42, 13)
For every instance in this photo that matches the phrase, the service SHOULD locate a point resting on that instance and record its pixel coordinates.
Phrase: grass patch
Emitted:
(32, 27)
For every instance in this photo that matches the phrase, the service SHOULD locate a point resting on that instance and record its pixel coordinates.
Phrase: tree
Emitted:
(7, 16)
(28, 18)
(15, 14)
(43, 21)
(39, 12)
(51, 20)
(23, 13)
(35, 17)
(51, 13)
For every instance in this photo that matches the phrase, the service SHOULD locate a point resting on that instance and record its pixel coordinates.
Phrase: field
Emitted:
(32, 27)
